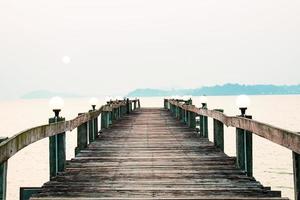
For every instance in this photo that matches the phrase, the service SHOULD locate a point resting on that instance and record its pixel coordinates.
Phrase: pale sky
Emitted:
(116, 46)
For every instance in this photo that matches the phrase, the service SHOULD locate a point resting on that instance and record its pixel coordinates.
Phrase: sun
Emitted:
(66, 59)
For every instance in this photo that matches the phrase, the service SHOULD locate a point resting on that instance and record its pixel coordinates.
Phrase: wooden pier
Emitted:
(153, 153)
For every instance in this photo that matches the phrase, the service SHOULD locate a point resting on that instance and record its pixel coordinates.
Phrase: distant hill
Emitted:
(45, 94)
(221, 90)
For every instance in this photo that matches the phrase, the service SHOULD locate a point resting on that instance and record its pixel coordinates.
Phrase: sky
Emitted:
(116, 46)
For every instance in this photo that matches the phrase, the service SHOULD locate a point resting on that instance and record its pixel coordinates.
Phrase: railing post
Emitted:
(165, 104)
(182, 115)
(244, 150)
(296, 172)
(113, 115)
(188, 118)
(96, 128)
(204, 123)
(82, 141)
(203, 126)
(110, 117)
(91, 128)
(192, 120)
(177, 112)
(3, 175)
(104, 120)
(57, 150)
(219, 132)
(128, 106)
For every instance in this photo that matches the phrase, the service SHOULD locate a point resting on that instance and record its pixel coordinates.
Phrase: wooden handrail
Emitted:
(286, 138)
(12, 145)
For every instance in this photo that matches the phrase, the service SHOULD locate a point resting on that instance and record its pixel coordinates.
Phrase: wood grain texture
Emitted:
(285, 138)
(150, 155)
(12, 145)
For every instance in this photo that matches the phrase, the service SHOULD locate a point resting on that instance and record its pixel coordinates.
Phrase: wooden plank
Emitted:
(150, 155)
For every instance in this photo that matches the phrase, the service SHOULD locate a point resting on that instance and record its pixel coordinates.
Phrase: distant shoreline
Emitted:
(217, 90)
(221, 90)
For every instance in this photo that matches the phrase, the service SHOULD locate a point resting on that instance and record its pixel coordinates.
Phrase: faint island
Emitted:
(221, 90)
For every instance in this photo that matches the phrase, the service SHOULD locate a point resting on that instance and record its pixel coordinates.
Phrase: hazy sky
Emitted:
(118, 45)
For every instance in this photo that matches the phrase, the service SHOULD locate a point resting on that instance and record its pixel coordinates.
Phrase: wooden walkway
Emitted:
(150, 155)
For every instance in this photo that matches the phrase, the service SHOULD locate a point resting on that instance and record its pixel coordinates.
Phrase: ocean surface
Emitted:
(272, 163)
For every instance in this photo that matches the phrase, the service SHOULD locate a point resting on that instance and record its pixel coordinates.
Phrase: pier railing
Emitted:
(245, 126)
(87, 131)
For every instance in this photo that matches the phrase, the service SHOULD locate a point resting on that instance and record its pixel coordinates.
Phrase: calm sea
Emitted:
(272, 163)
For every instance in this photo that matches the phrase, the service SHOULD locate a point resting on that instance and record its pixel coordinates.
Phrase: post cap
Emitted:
(56, 103)
(243, 101)
(93, 101)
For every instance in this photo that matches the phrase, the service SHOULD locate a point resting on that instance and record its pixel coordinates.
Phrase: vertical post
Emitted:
(244, 150)
(296, 170)
(203, 126)
(110, 116)
(113, 115)
(57, 150)
(95, 128)
(91, 129)
(188, 118)
(204, 123)
(219, 132)
(3, 175)
(139, 103)
(27, 192)
(182, 115)
(82, 141)
(134, 105)
(201, 134)
(179, 114)
(192, 120)
(104, 120)
(128, 106)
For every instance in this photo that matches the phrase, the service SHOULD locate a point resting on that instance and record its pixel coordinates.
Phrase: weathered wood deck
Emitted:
(150, 155)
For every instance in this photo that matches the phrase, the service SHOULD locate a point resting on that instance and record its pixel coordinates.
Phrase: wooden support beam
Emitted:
(91, 130)
(3, 175)
(296, 173)
(182, 115)
(104, 117)
(110, 116)
(82, 141)
(57, 150)
(192, 120)
(203, 126)
(139, 103)
(165, 103)
(27, 192)
(244, 150)
(127, 106)
(219, 132)
(188, 118)
(96, 128)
